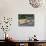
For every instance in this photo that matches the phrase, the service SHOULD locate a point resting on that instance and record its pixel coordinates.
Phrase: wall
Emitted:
(11, 8)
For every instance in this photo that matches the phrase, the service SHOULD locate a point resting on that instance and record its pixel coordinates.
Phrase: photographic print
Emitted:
(26, 19)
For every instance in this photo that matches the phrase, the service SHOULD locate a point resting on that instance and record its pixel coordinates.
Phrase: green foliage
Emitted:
(25, 16)
(22, 17)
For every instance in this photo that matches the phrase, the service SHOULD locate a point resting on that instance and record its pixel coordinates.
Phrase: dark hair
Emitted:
(34, 35)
